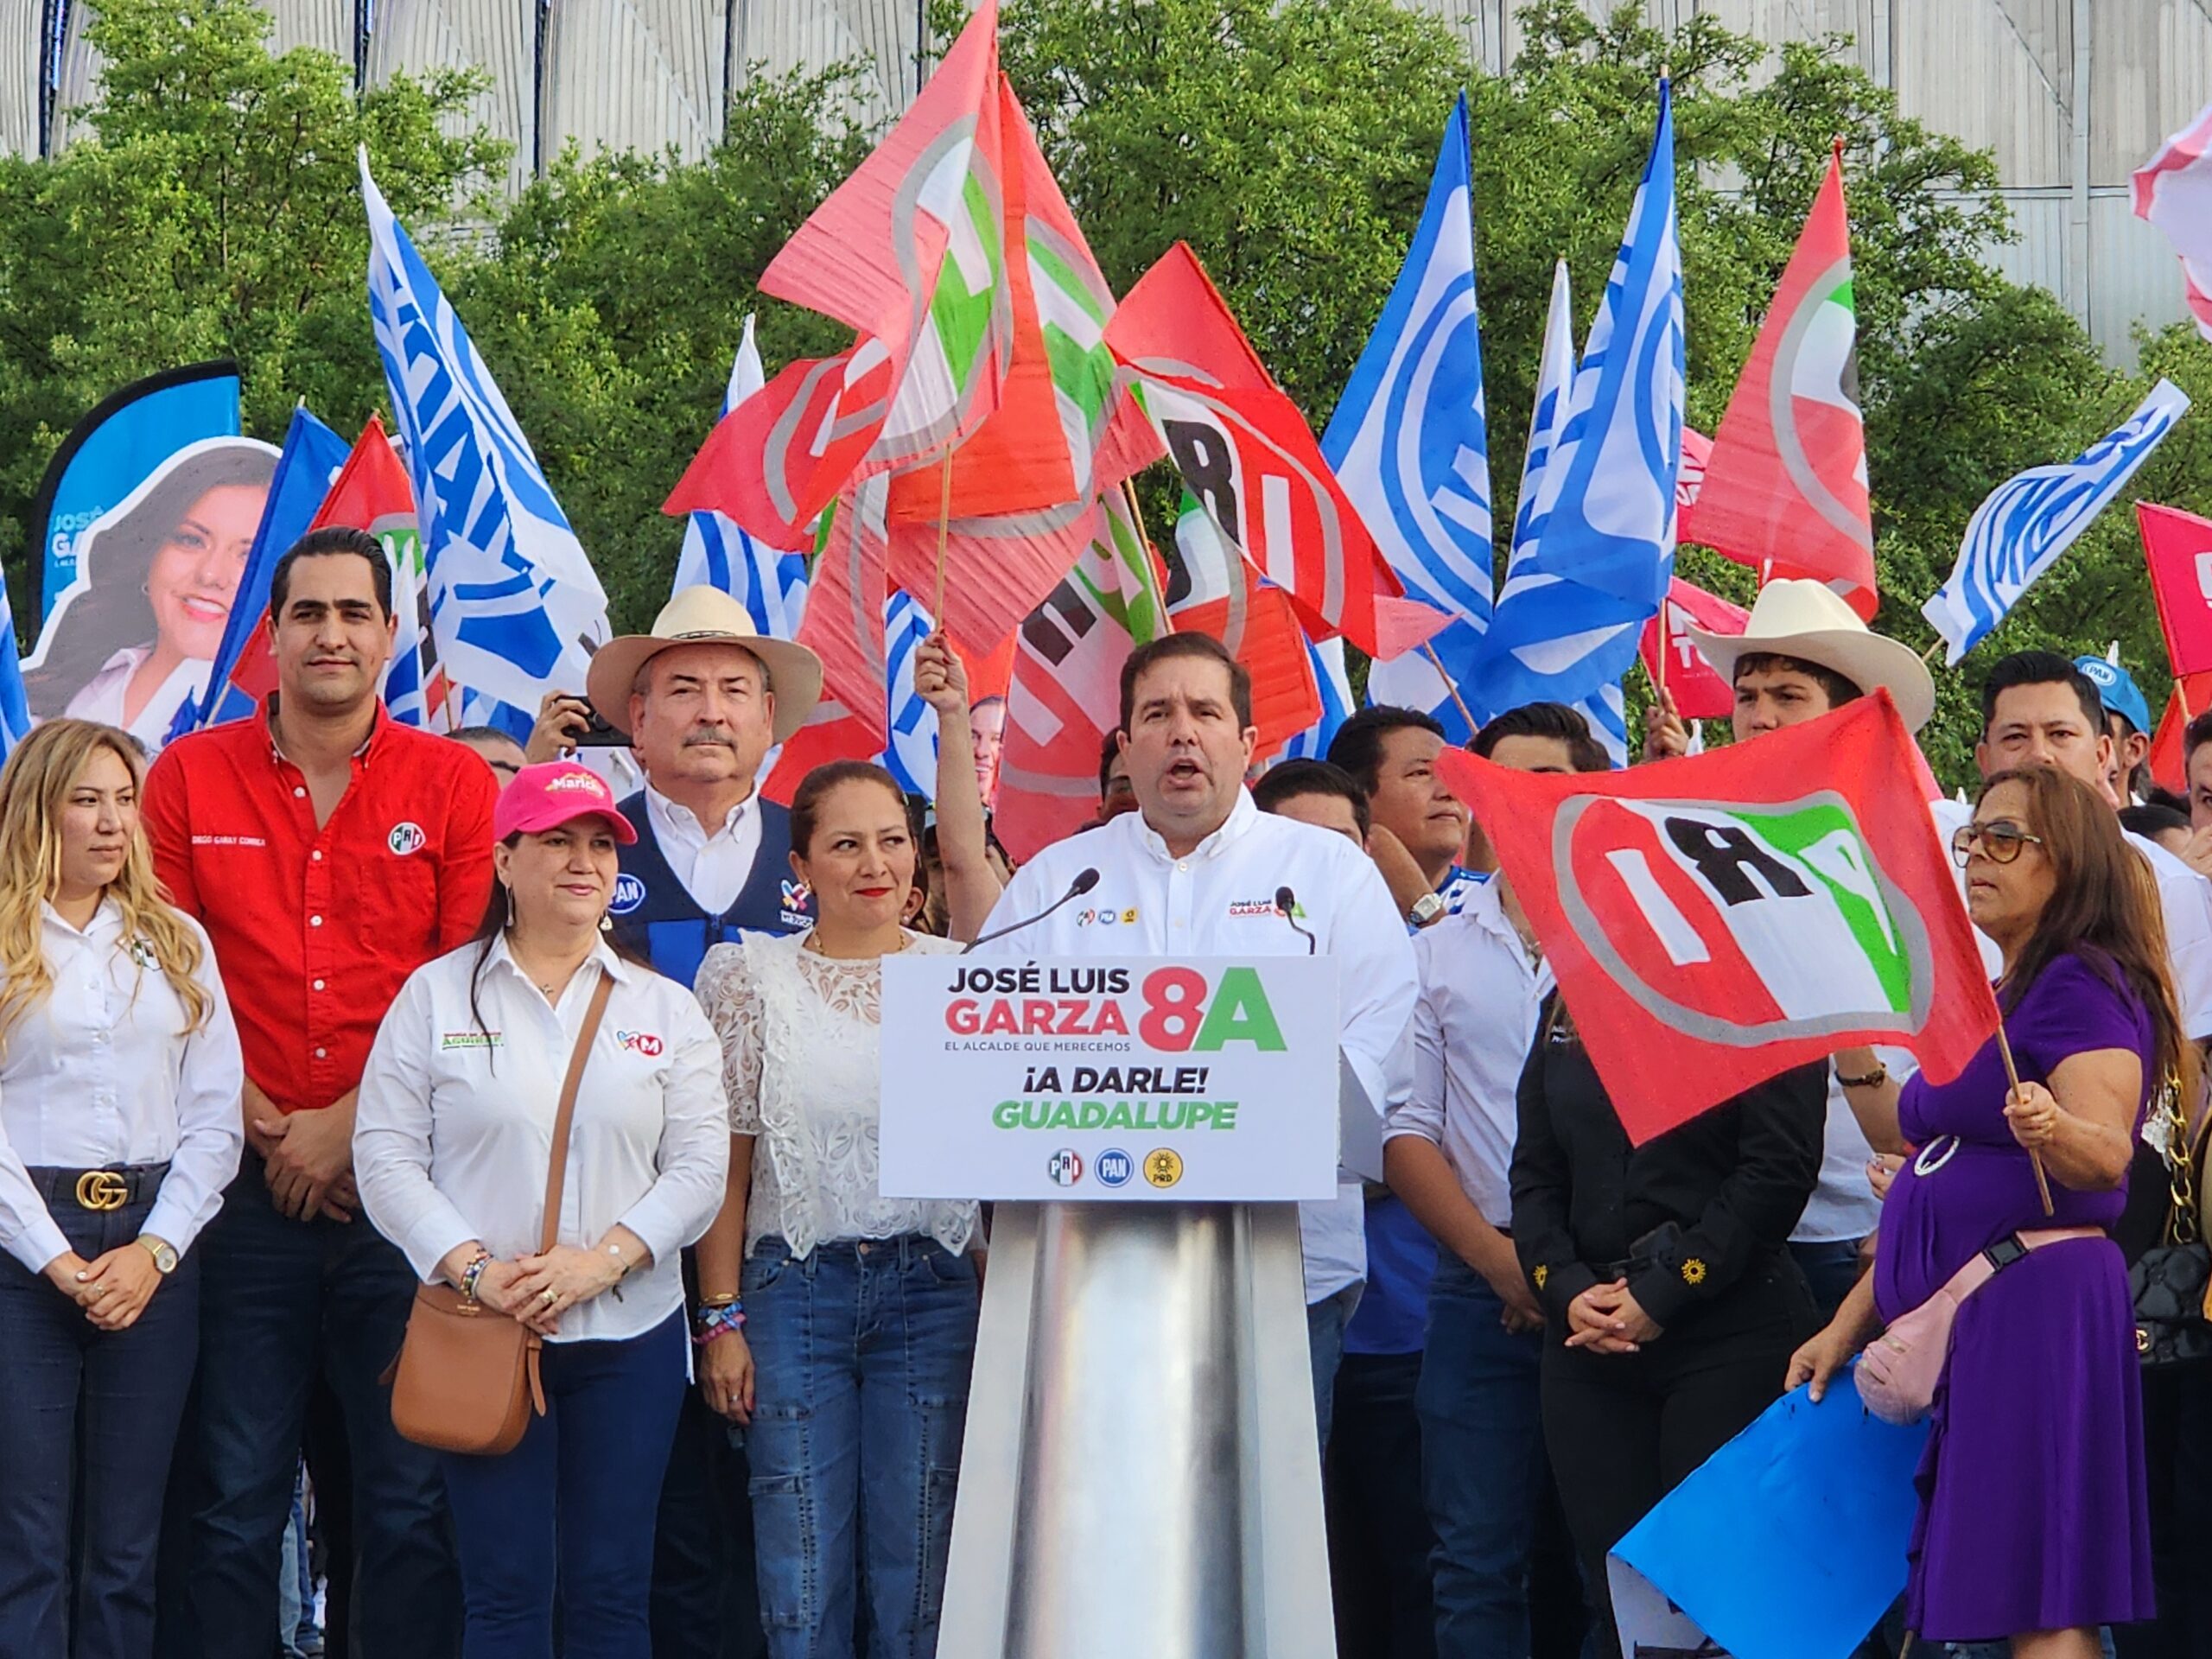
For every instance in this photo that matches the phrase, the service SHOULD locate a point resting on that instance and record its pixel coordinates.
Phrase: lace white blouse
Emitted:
(801, 1037)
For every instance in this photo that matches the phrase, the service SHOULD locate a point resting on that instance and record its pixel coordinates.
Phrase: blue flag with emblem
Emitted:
(770, 583)
(910, 755)
(1599, 533)
(312, 457)
(1408, 441)
(14, 707)
(2026, 522)
(515, 607)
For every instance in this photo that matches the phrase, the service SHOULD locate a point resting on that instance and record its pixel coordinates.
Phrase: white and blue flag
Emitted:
(2026, 522)
(15, 706)
(1593, 558)
(910, 755)
(1409, 441)
(770, 583)
(515, 607)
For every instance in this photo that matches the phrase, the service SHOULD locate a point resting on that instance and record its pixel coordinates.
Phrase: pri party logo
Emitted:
(1761, 924)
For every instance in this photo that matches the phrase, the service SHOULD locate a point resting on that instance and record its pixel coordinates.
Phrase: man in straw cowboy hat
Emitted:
(703, 698)
(1803, 653)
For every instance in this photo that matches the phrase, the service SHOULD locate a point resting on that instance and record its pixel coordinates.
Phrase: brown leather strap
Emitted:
(549, 1234)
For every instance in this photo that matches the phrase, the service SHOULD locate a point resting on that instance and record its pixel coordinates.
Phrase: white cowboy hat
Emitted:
(705, 616)
(1807, 620)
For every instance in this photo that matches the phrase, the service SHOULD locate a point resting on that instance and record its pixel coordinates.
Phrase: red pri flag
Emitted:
(1215, 591)
(1785, 486)
(1700, 691)
(909, 253)
(1248, 455)
(1717, 919)
(2177, 547)
(2169, 758)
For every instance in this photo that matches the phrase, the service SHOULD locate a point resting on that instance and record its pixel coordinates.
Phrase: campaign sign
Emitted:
(1128, 1079)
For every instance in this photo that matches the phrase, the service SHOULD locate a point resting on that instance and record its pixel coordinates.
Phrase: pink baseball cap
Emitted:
(550, 794)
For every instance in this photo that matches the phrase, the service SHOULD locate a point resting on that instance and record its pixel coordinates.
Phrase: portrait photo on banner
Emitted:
(133, 634)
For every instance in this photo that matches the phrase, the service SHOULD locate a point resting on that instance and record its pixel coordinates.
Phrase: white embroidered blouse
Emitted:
(801, 1045)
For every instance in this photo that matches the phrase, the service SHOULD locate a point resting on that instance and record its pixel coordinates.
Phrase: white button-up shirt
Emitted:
(454, 1129)
(104, 1072)
(1220, 901)
(712, 867)
(1473, 1026)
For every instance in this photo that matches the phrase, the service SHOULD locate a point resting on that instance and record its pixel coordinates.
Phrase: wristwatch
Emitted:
(1427, 909)
(1873, 1079)
(162, 1250)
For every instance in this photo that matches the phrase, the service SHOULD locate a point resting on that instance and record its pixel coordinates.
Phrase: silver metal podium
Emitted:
(1141, 1474)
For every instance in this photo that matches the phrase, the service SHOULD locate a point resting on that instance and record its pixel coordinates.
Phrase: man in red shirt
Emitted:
(329, 853)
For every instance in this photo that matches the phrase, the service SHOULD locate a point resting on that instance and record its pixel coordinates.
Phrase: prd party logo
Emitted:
(1743, 926)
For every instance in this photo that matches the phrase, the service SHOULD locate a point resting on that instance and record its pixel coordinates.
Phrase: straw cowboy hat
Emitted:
(705, 616)
(1806, 620)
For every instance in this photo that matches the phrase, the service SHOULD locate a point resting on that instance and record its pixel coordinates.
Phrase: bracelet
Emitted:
(472, 1273)
(711, 1322)
(1873, 1079)
(724, 1298)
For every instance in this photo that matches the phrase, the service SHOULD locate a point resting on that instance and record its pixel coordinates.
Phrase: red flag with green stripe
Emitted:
(1715, 920)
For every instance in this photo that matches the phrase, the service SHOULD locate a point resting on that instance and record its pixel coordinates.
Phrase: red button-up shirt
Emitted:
(316, 927)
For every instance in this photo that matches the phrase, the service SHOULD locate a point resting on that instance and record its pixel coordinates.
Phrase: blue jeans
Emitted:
(572, 1506)
(862, 1353)
(1831, 1269)
(1483, 1470)
(87, 1421)
(281, 1299)
(1325, 1350)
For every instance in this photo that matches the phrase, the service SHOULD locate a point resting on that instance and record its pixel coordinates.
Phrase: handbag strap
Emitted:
(565, 1113)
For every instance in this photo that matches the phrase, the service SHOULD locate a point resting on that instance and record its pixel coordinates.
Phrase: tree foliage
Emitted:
(209, 208)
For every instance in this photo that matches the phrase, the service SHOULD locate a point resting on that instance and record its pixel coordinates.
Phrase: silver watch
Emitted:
(1427, 909)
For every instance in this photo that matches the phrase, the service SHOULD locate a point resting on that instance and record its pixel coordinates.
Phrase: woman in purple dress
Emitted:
(2033, 1524)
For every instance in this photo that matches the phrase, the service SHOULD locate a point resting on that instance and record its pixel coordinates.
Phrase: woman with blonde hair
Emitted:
(119, 1129)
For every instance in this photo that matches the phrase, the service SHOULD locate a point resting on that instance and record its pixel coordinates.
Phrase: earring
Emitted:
(606, 921)
(510, 893)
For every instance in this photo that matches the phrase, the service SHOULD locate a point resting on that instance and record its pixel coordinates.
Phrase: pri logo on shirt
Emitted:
(638, 1042)
(1750, 926)
(406, 838)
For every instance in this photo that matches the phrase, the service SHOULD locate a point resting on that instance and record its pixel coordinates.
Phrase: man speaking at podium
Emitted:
(1140, 1406)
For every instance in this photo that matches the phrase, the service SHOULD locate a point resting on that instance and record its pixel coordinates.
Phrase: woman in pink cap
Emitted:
(451, 1150)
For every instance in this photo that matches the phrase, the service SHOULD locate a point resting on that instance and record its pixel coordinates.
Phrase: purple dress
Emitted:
(2033, 1513)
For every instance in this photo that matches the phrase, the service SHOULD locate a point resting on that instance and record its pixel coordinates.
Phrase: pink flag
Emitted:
(2177, 547)
(1700, 691)
(2173, 191)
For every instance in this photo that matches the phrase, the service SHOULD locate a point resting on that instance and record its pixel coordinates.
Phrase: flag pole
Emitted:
(1136, 511)
(1929, 655)
(943, 529)
(2035, 1158)
(1451, 685)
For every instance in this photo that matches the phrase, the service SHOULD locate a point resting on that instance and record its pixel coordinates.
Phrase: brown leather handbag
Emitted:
(467, 1377)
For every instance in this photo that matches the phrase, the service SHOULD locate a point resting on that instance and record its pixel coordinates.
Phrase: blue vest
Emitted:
(656, 916)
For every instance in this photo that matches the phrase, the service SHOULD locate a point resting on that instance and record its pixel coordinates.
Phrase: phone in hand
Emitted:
(598, 734)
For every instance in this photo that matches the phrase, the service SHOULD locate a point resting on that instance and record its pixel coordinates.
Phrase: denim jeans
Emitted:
(572, 1506)
(862, 1353)
(297, 1634)
(281, 1298)
(1482, 1471)
(1325, 1350)
(87, 1420)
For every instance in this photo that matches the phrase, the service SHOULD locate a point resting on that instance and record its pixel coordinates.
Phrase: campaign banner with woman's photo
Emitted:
(132, 635)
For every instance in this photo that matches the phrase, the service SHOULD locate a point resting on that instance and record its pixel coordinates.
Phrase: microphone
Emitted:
(1286, 903)
(1084, 882)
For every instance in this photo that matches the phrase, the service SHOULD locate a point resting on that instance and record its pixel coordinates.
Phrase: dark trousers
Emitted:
(1830, 1269)
(87, 1421)
(2178, 1447)
(1625, 1429)
(573, 1505)
(1379, 1535)
(281, 1301)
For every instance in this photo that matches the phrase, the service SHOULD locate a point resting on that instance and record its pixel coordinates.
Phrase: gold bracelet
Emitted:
(727, 1299)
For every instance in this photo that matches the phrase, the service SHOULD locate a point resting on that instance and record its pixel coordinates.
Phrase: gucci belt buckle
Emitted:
(101, 1188)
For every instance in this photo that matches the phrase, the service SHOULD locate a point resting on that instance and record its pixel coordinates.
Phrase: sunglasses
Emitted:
(2000, 842)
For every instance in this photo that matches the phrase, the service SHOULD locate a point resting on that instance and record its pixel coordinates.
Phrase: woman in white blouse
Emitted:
(119, 1129)
(450, 1151)
(857, 1312)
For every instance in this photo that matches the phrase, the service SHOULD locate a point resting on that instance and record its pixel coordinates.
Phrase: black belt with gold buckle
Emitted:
(99, 1190)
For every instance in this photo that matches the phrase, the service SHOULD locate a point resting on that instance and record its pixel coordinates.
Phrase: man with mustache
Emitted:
(703, 698)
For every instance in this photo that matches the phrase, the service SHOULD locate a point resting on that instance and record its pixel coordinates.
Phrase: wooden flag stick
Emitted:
(1929, 655)
(2035, 1158)
(1136, 511)
(1457, 701)
(943, 529)
(2181, 699)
